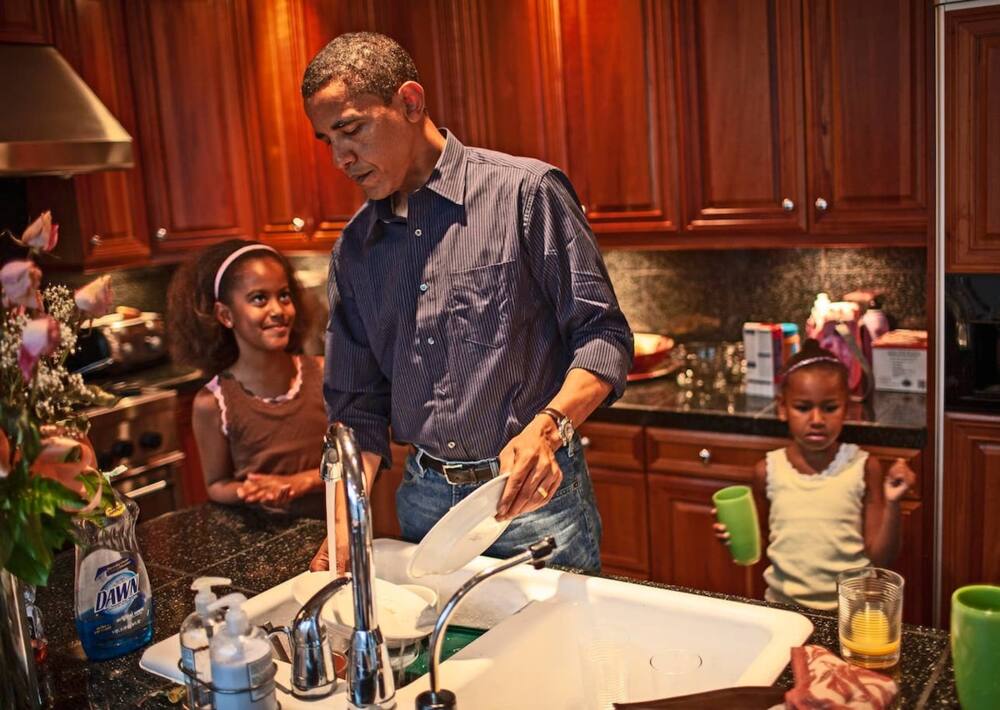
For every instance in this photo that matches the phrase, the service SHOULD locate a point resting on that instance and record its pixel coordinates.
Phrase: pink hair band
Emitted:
(227, 262)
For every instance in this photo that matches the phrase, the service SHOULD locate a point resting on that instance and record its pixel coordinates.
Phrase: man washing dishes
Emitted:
(470, 309)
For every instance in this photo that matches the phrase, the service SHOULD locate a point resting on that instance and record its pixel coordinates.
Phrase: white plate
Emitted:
(463, 533)
(404, 611)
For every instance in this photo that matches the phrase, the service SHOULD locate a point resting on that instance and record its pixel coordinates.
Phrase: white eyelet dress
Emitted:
(816, 527)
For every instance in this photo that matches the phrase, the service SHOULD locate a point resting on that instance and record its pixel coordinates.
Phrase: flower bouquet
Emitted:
(48, 472)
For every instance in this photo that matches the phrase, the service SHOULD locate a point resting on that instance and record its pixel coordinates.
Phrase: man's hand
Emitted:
(321, 560)
(530, 460)
(898, 479)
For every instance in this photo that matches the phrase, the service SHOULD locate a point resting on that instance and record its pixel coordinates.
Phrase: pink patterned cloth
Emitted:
(825, 682)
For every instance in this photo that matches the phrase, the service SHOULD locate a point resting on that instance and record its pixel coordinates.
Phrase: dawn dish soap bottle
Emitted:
(242, 666)
(196, 633)
(114, 604)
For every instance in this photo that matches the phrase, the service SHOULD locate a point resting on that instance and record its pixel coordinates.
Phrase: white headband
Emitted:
(812, 360)
(233, 257)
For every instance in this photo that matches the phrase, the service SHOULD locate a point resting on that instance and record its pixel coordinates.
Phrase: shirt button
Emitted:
(423, 288)
(430, 341)
(451, 444)
(418, 232)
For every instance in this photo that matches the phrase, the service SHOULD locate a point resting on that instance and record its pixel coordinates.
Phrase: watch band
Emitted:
(562, 424)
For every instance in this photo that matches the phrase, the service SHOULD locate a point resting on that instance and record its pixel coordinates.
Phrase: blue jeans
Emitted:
(424, 496)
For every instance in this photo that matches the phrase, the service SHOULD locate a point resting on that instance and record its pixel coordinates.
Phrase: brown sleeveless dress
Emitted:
(281, 435)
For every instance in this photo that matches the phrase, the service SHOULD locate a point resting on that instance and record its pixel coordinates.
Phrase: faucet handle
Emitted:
(541, 551)
(313, 672)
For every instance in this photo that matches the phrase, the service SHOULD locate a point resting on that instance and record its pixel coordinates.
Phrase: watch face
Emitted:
(566, 431)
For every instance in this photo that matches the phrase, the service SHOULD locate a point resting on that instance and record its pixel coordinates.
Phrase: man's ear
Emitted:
(412, 95)
(223, 314)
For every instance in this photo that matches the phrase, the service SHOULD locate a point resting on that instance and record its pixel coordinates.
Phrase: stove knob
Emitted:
(155, 342)
(151, 440)
(122, 449)
(127, 348)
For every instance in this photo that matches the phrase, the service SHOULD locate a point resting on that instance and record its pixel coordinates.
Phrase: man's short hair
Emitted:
(367, 63)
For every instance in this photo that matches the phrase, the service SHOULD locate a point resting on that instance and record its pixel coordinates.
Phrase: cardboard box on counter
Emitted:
(899, 361)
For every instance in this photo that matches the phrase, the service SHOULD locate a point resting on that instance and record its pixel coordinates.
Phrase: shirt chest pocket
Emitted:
(480, 303)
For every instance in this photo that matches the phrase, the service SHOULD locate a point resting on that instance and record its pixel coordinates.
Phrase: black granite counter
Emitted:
(257, 551)
(887, 419)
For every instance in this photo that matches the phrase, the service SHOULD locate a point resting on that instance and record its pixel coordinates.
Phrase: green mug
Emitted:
(735, 508)
(975, 645)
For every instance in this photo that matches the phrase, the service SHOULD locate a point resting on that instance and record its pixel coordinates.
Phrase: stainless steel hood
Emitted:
(51, 123)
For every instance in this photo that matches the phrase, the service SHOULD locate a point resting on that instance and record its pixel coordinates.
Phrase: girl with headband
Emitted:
(830, 507)
(235, 312)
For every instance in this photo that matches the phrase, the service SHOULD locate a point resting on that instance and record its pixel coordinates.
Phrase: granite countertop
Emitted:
(887, 419)
(257, 551)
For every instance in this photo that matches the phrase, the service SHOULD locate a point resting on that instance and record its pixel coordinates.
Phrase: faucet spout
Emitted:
(369, 678)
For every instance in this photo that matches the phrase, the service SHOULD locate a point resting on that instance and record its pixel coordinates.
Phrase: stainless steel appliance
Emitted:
(120, 342)
(140, 432)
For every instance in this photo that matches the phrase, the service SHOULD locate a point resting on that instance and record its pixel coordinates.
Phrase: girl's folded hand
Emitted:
(267, 489)
(898, 479)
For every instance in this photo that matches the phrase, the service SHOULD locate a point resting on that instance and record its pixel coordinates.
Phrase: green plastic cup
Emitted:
(975, 645)
(737, 511)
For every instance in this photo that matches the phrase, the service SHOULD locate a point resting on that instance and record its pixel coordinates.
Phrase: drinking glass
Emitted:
(870, 604)
(735, 508)
(975, 645)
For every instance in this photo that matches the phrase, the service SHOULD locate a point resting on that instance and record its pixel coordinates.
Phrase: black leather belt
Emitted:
(460, 473)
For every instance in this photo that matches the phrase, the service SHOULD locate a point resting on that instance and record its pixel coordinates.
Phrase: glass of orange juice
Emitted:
(870, 604)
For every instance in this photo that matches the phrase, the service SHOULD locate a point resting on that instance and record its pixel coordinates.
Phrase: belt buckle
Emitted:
(448, 468)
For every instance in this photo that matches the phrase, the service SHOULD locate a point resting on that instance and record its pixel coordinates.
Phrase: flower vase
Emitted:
(18, 677)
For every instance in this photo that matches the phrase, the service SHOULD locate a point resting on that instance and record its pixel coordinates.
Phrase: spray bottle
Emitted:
(196, 633)
(242, 667)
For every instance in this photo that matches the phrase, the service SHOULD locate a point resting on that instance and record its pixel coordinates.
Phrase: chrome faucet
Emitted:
(438, 698)
(370, 683)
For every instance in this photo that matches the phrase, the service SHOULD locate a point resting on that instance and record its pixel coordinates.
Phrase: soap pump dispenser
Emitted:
(242, 667)
(196, 633)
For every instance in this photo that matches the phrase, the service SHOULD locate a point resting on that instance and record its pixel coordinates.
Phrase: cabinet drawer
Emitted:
(698, 453)
(617, 446)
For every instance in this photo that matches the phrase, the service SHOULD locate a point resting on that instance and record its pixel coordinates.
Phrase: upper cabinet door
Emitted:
(620, 112)
(972, 153)
(743, 126)
(282, 155)
(192, 121)
(866, 107)
(25, 21)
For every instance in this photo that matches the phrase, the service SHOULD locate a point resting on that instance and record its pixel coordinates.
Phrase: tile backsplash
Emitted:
(708, 295)
(691, 295)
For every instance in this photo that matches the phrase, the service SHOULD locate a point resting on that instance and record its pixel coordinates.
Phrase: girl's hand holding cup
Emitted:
(738, 527)
(721, 533)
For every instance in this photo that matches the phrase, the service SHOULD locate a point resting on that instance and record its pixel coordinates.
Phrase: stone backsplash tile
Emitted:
(710, 294)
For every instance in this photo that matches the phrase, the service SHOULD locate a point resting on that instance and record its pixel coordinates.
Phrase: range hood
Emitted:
(51, 123)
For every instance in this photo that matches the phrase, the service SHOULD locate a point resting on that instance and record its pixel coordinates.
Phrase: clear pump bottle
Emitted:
(196, 633)
(242, 666)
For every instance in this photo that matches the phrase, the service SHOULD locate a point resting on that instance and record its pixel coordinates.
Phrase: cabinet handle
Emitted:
(787, 205)
(821, 204)
(96, 240)
(706, 457)
(146, 490)
(161, 234)
(585, 442)
(298, 223)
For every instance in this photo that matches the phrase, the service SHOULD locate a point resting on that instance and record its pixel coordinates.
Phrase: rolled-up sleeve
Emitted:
(572, 272)
(356, 390)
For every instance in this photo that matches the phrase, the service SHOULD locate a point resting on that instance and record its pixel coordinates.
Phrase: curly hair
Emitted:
(367, 63)
(197, 338)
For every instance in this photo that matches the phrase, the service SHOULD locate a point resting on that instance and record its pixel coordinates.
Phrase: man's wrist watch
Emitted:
(564, 425)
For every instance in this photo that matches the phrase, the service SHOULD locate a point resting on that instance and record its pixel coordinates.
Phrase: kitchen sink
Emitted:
(562, 640)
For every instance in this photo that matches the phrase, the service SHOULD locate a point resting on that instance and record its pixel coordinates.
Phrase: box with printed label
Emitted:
(762, 343)
(899, 361)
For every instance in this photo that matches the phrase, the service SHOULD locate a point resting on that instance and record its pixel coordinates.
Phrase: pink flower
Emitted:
(39, 338)
(5, 462)
(20, 280)
(95, 298)
(41, 234)
(63, 458)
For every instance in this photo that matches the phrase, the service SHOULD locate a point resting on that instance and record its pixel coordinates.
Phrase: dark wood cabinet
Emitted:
(25, 21)
(683, 548)
(866, 77)
(970, 500)
(102, 216)
(618, 79)
(192, 476)
(972, 142)
(742, 103)
(192, 121)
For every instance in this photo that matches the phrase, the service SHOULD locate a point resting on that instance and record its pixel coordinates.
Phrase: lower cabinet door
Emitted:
(621, 501)
(684, 548)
